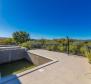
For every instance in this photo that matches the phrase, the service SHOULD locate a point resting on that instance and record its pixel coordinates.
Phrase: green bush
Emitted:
(88, 55)
(82, 51)
(73, 49)
(50, 48)
(7, 41)
(61, 48)
(55, 48)
(26, 45)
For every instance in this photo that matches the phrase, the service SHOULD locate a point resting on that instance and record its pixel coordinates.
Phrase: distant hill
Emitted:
(1, 38)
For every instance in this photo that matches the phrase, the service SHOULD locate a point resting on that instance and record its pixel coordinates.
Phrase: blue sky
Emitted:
(46, 18)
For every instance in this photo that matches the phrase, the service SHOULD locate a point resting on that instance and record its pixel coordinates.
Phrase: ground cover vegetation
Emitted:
(15, 67)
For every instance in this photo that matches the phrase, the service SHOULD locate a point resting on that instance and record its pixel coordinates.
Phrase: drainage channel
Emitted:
(30, 71)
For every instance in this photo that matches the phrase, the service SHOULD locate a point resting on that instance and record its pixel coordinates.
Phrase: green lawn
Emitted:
(15, 67)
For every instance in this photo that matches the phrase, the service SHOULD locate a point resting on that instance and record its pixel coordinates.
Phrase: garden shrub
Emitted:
(26, 45)
(36, 46)
(73, 49)
(55, 48)
(50, 48)
(61, 48)
(88, 55)
(7, 41)
(82, 51)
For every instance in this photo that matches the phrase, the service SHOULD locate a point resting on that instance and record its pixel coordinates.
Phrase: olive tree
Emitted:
(21, 37)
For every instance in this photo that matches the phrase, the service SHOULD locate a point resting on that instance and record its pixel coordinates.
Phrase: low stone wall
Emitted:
(9, 55)
(36, 59)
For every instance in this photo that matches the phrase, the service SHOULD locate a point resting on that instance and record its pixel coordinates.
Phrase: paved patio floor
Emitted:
(68, 70)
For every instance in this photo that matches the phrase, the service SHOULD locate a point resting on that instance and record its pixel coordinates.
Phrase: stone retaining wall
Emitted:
(9, 55)
(37, 60)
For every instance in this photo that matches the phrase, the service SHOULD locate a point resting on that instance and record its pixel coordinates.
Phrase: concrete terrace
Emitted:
(68, 70)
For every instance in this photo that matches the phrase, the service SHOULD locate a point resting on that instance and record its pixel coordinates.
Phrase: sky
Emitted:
(46, 18)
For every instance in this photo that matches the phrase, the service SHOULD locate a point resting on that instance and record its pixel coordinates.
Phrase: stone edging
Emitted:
(28, 71)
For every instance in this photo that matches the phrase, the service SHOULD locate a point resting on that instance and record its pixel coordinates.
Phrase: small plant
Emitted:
(88, 55)
(50, 48)
(26, 45)
(7, 41)
(83, 50)
(73, 49)
(55, 48)
(61, 48)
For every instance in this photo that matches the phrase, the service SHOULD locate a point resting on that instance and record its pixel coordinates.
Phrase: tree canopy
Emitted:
(21, 36)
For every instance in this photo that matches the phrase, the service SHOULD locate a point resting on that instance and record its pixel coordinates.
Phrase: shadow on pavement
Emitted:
(12, 79)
